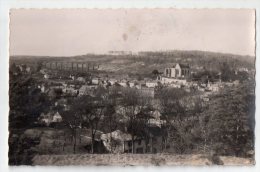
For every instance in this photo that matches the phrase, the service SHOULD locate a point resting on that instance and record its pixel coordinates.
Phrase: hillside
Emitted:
(145, 62)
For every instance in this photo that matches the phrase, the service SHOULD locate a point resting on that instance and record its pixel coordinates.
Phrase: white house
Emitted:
(57, 117)
(120, 142)
(115, 141)
(95, 81)
(166, 80)
(132, 83)
(112, 81)
(151, 84)
(155, 119)
(28, 69)
(49, 118)
(46, 76)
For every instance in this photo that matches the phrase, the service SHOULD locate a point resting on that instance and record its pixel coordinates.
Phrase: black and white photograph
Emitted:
(132, 87)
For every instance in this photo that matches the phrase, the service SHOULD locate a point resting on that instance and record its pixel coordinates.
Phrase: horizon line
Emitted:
(133, 53)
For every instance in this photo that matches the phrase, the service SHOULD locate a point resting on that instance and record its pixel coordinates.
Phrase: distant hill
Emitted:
(145, 62)
(173, 53)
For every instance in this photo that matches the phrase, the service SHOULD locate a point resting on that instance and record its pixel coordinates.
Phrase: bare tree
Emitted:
(134, 106)
(91, 110)
(171, 109)
(73, 120)
(131, 108)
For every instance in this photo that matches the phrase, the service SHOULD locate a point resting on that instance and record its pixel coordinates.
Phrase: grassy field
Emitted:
(137, 159)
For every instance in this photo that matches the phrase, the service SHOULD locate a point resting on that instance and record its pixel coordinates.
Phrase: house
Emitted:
(28, 69)
(95, 81)
(83, 90)
(121, 142)
(81, 79)
(112, 81)
(155, 119)
(243, 69)
(175, 85)
(45, 118)
(85, 140)
(151, 84)
(214, 87)
(70, 90)
(140, 84)
(43, 88)
(132, 83)
(49, 118)
(123, 83)
(177, 71)
(116, 141)
(72, 77)
(166, 80)
(57, 117)
(236, 82)
(156, 114)
(43, 71)
(46, 76)
(124, 111)
(201, 88)
(87, 90)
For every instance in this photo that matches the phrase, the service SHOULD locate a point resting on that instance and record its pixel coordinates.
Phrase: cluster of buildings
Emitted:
(177, 76)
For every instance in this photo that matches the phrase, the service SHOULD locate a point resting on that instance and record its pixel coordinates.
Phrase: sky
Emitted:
(69, 32)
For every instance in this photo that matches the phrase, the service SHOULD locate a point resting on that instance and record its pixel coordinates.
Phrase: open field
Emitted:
(136, 159)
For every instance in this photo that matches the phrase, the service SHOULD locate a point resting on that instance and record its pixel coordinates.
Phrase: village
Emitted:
(64, 83)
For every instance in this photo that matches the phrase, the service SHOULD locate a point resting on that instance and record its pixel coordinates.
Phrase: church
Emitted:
(177, 71)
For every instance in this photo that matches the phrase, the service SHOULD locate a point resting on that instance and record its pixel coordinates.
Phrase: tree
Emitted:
(110, 120)
(14, 70)
(155, 72)
(142, 123)
(231, 120)
(23, 91)
(73, 120)
(39, 66)
(134, 107)
(26, 104)
(91, 110)
(130, 104)
(226, 72)
(171, 109)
